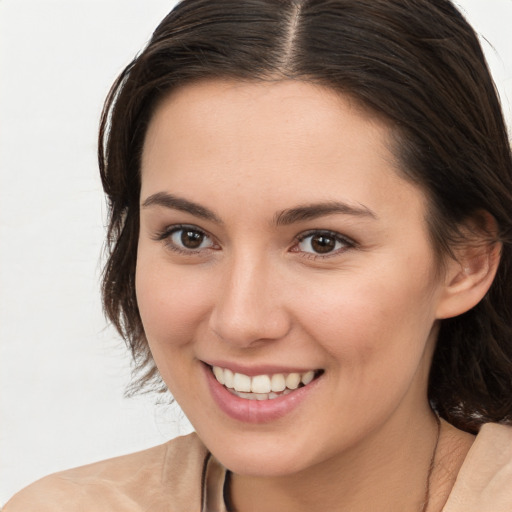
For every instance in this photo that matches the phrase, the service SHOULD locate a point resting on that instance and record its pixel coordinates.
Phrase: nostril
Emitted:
(245, 329)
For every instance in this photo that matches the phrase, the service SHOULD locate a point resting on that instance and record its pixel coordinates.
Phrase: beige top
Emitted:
(181, 476)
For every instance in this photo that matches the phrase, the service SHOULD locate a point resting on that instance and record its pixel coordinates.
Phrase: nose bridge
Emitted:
(249, 307)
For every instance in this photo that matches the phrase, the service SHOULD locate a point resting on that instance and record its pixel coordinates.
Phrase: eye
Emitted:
(190, 238)
(323, 243)
(186, 239)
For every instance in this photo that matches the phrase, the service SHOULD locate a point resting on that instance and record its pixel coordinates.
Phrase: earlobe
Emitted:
(468, 278)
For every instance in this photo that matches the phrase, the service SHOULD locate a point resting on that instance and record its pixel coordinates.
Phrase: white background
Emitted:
(62, 371)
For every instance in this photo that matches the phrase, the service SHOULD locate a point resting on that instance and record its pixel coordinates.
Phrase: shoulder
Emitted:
(484, 483)
(166, 477)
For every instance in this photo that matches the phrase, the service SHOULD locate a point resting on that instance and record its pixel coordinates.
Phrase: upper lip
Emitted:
(258, 369)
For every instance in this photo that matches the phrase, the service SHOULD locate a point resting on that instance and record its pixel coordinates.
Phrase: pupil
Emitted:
(323, 244)
(192, 239)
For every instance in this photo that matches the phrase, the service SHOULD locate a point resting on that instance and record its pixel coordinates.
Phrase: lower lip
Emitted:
(256, 411)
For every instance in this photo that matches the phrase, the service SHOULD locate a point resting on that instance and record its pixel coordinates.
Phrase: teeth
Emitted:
(261, 387)
(242, 382)
(219, 374)
(261, 384)
(308, 377)
(278, 382)
(228, 377)
(260, 396)
(292, 381)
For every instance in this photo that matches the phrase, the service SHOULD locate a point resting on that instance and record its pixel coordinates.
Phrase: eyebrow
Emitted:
(284, 218)
(316, 210)
(178, 203)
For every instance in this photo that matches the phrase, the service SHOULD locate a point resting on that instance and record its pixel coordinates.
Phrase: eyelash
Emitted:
(337, 237)
(166, 237)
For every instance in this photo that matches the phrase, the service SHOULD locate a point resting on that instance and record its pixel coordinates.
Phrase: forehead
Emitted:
(254, 112)
(275, 142)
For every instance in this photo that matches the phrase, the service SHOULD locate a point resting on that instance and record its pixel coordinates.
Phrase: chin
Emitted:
(262, 466)
(262, 455)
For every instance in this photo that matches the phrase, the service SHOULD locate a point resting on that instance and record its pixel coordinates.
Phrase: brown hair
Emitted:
(419, 64)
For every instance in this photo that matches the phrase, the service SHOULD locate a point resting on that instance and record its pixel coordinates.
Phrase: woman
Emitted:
(310, 243)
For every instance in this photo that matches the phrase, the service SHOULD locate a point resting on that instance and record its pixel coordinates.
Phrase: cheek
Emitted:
(371, 323)
(171, 304)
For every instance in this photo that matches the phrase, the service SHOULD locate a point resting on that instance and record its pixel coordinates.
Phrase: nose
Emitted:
(249, 307)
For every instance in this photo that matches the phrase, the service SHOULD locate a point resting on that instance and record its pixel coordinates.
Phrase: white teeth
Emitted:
(261, 387)
(278, 382)
(259, 396)
(261, 384)
(308, 377)
(219, 374)
(292, 381)
(228, 377)
(242, 382)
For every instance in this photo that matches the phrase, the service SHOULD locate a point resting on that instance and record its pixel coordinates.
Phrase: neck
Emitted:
(388, 471)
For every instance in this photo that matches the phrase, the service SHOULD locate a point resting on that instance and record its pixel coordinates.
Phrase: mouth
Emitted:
(264, 386)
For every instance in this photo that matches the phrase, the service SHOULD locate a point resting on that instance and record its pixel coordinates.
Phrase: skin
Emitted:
(253, 294)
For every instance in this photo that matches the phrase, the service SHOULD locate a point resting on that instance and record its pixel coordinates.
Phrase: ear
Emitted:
(469, 275)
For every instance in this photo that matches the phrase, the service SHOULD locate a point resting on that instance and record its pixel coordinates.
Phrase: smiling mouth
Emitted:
(263, 387)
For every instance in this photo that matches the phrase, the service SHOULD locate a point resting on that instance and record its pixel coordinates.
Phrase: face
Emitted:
(285, 278)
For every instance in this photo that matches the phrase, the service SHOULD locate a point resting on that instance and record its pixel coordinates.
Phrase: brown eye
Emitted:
(323, 242)
(189, 239)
